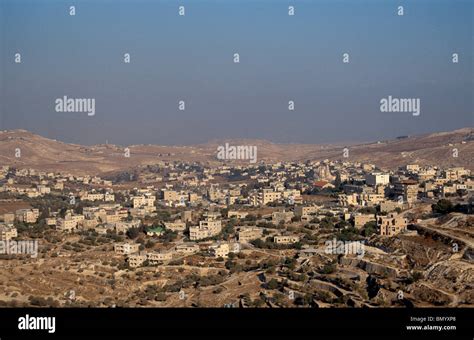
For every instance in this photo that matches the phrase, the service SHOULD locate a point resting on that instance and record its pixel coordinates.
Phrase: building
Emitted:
(269, 196)
(219, 250)
(157, 257)
(323, 185)
(360, 220)
(8, 218)
(170, 195)
(126, 248)
(306, 212)
(175, 226)
(27, 215)
(187, 215)
(407, 189)
(377, 178)
(7, 232)
(187, 248)
(143, 201)
(136, 260)
(282, 216)
(63, 224)
(247, 234)
(237, 214)
(391, 224)
(123, 227)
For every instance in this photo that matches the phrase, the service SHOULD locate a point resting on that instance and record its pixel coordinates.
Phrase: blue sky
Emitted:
(191, 58)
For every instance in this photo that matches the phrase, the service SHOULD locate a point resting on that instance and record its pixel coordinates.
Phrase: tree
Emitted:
(369, 228)
(272, 284)
(442, 207)
(133, 233)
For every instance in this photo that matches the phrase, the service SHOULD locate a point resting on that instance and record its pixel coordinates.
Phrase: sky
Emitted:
(191, 58)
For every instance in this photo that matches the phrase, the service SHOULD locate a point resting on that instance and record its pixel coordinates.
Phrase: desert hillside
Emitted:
(46, 154)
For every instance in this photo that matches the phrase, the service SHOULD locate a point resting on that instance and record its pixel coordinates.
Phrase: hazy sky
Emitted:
(282, 58)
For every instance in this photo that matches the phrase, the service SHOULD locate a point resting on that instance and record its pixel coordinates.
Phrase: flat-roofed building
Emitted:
(361, 219)
(269, 196)
(7, 232)
(377, 178)
(27, 215)
(247, 234)
(175, 226)
(187, 248)
(237, 214)
(282, 216)
(126, 248)
(63, 224)
(391, 224)
(9, 218)
(157, 256)
(306, 211)
(136, 260)
(219, 249)
(407, 189)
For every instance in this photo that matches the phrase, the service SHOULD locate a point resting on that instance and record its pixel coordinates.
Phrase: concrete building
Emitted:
(126, 248)
(27, 215)
(219, 250)
(391, 224)
(247, 234)
(7, 232)
(377, 178)
(360, 220)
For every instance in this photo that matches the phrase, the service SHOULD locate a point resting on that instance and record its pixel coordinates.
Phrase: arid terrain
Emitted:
(51, 155)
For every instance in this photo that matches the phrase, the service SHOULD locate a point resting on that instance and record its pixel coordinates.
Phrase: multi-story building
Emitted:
(391, 224)
(408, 189)
(187, 248)
(247, 234)
(219, 249)
(27, 215)
(377, 178)
(126, 248)
(7, 232)
(268, 196)
(143, 201)
(282, 216)
(156, 257)
(360, 220)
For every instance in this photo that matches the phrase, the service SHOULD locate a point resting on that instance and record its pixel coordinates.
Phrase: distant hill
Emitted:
(47, 154)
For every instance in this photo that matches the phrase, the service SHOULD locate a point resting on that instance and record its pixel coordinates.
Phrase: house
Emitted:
(7, 232)
(323, 185)
(391, 224)
(247, 234)
(126, 248)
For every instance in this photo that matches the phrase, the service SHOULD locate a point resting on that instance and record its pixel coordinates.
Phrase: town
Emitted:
(240, 235)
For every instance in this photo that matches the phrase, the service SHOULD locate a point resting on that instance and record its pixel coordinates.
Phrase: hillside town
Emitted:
(315, 233)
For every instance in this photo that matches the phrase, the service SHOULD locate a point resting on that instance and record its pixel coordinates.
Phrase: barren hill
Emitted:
(21, 149)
